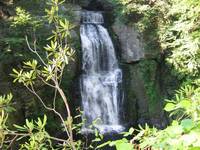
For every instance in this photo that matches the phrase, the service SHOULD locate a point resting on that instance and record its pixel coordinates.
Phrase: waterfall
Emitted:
(101, 75)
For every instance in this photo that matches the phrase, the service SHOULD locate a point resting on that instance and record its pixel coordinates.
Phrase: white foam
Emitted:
(102, 75)
(103, 129)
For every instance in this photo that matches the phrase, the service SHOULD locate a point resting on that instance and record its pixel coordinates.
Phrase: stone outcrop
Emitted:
(143, 100)
(130, 41)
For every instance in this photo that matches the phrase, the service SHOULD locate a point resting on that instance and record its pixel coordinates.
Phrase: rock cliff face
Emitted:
(143, 98)
(130, 42)
(141, 73)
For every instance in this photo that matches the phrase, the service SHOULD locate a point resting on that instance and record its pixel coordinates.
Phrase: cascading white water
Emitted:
(101, 75)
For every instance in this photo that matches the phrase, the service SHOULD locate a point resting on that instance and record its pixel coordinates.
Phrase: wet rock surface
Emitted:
(130, 41)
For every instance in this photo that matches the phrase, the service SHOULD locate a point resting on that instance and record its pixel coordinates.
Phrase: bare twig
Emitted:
(54, 99)
(62, 94)
(32, 90)
(34, 50)
(45, 82)
(12, 141)
(16, 135)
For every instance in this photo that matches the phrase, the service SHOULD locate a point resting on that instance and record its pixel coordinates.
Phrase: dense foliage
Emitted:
(48, 71)
(173, 24)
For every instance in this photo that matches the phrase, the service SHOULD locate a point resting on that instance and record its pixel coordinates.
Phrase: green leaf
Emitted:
(20, 128)
(175, 123)
(185, 104)
(112, 143)
(30, 125)
(187, 124)
(194, 148)
(124, 146)
(44, 121)
(130, 132)
(15, 71)
(96, 133)
(169, 107)
(174, 130)
(39, 123)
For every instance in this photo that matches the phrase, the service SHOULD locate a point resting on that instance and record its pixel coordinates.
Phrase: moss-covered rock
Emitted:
(143, 100)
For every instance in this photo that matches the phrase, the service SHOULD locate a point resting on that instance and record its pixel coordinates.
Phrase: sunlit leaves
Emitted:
(31, 64)
(130, 132)
(186, 103)
(52, 47)
(182, 133)
(33, 125)
(5, 103)
(119, 144)
(62, 30)
(177, 136)
(170, 106)
(52, 12)
(25, 77)
(5, 99)
(184, 43)
(58, 52)
(187, 124)
(47, 70)
(22, 17)
(35, 130)
(3, 119)
(175, 24)
(5, 108)
(122, 144)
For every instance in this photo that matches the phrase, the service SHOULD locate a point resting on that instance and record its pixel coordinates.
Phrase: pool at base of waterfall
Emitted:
(103, 129)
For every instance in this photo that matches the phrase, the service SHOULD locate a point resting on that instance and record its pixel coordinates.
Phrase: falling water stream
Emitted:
(101, 76)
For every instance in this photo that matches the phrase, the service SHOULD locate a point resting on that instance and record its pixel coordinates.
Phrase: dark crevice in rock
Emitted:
(98, 5)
